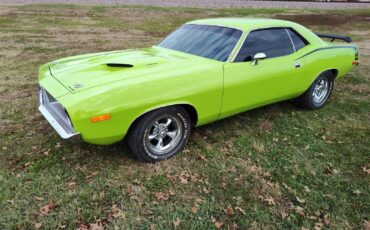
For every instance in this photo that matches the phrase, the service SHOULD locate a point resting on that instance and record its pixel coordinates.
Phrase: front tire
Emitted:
(319, 92)
(160, 134)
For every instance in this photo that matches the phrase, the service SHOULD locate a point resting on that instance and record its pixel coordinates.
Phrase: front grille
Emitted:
(56, 110)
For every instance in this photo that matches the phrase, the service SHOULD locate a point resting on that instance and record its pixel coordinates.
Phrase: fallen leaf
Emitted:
(269, 200)
(101, 194)
(301, 201)
(318, 226)
(240, 210)
(202, 157)
(283, 215)
(161, 196)
(326, 219)
(38, 198)
(229, 211)
(186, 150)
(117, 212)
(10, 201)
(356, 192)
(205, 190)
(259, 147)
(232, 169)
(194, 209)
(38, 225)
(72, 184)
(83, 227)
(366, 225)
(299, 211)
(91, 175)
(176, 222)
(171, 192)
(218, 225)
(44, 210)
(330, 196)
(366, 170)
(137, 181)
(234, 226)
(183, 180)
(96, 226)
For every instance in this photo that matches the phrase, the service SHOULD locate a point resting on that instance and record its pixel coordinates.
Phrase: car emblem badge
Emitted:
(78, 85)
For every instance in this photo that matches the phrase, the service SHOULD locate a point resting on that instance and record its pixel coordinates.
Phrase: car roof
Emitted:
(244, 24)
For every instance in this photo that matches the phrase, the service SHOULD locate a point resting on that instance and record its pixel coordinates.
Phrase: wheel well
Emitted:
(192, 112)
(334, 72)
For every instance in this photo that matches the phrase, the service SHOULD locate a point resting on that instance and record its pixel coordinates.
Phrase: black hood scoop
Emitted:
(119, 65)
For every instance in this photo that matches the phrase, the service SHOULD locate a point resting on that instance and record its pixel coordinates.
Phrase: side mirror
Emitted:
(258, 56)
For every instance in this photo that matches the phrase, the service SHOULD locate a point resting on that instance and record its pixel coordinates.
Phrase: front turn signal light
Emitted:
(356, 63)
(103, 117)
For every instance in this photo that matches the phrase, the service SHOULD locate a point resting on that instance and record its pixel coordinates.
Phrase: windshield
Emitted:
(214, 42)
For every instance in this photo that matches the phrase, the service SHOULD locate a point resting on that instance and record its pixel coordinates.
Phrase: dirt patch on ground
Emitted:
(325, 19)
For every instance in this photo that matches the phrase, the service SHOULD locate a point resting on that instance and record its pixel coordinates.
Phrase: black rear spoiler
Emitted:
(333, 37)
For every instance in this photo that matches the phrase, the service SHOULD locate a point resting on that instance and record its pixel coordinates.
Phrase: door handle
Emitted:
(297, 65)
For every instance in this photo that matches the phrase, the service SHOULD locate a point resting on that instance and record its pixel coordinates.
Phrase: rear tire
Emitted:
(319, 92)
(160, 134)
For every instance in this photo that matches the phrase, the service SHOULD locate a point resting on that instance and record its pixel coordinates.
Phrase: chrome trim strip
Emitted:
(291, 40)
(256, 29)
(45, 105)
(62, 133)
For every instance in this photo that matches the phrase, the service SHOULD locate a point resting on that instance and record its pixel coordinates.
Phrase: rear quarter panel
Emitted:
(339, 58)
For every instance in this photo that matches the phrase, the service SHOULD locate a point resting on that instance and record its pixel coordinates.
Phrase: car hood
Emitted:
(86, 71)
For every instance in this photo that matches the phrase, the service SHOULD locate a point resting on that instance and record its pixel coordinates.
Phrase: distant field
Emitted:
(274, 167)
(298, 4)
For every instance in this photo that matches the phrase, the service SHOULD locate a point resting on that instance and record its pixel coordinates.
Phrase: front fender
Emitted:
(127, 100)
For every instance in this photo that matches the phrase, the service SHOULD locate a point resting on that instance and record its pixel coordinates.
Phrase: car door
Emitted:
(275, 78)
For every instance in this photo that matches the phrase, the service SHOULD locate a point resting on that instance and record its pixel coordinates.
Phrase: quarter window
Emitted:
(273, 42)
(297, 40)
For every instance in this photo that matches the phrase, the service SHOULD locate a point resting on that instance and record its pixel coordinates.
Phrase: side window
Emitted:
(273, 42)
(297, 39)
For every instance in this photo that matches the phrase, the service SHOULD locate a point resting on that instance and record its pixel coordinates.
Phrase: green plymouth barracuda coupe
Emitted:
(204, 71)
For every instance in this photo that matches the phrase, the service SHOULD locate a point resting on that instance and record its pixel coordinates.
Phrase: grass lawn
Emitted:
(273, 167)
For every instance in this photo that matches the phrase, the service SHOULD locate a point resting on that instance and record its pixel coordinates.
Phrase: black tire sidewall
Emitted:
(145, 125)
(327, 78)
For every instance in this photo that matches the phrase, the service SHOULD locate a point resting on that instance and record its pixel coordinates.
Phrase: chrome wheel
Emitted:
(320, 91)
(164, 134)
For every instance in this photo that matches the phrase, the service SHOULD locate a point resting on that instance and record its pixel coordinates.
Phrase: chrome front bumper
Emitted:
(56, 115)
